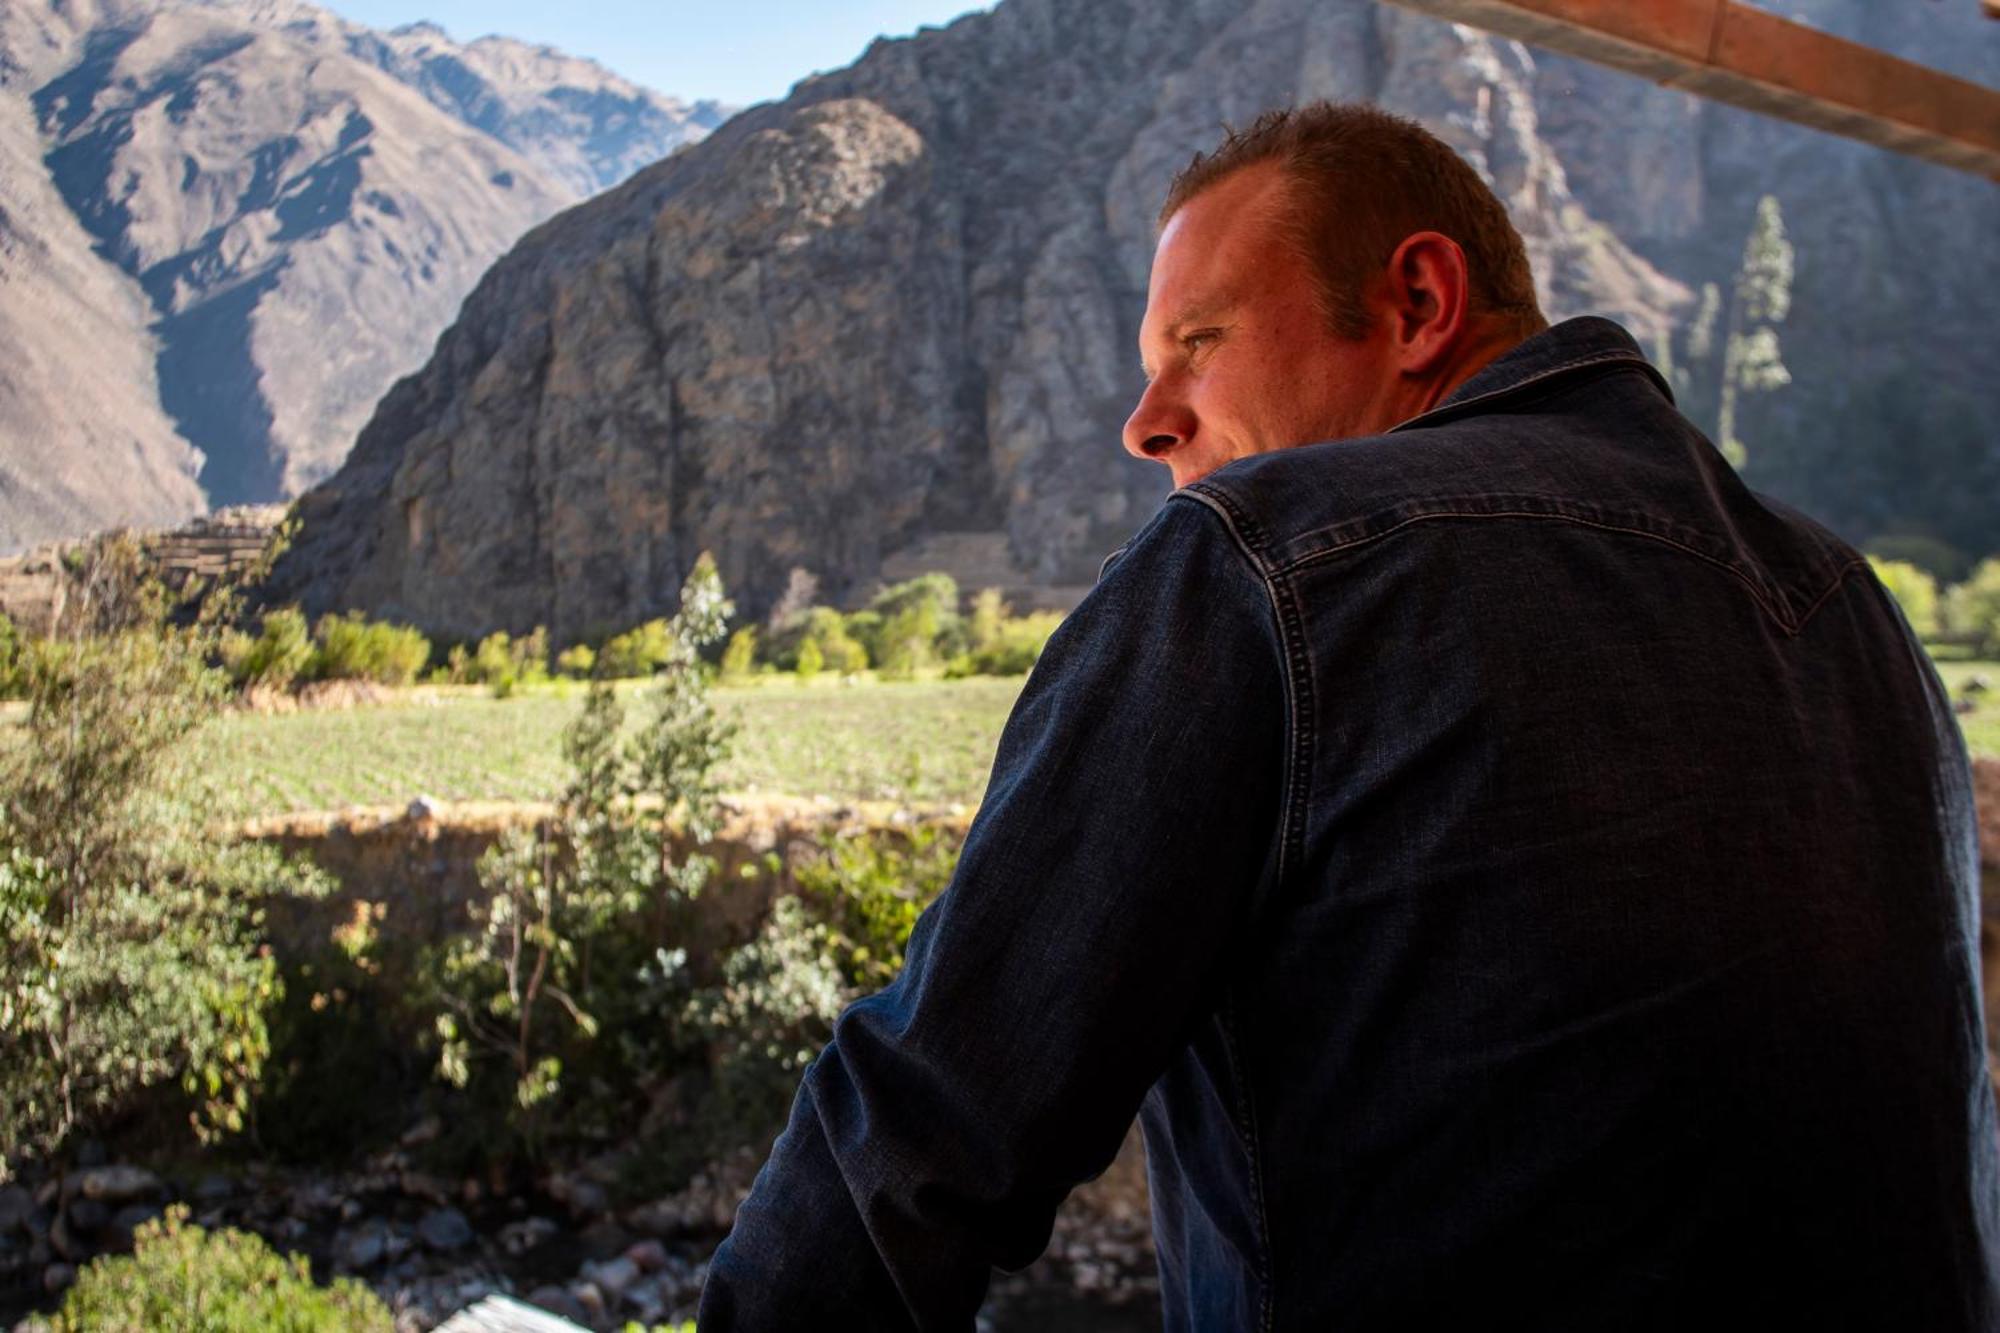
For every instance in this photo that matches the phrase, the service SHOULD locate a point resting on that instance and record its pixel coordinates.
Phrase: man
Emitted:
(1521, 877)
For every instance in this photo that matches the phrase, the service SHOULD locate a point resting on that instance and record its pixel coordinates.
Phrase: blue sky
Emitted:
(739, 51)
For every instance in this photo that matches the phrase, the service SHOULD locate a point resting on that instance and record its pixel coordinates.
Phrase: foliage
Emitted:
(1731, 345)
(637, 652)
(183, 1279)
(831, 635)
(504, 664)
(557, 937)
(352, 647)
(12, 683)
(578, 661)
(739, 659)
(1763, 298)
(763, 1022)
(128, 922)
(912, 625)
(281, 652)
(811, 660)
(1915, 591)
(869, 890)
(1972, 609)
(1002, 644)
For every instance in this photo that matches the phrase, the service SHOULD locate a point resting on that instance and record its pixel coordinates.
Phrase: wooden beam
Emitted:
(1749, 58)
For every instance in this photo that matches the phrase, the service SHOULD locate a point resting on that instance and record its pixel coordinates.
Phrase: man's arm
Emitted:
(1100, 896)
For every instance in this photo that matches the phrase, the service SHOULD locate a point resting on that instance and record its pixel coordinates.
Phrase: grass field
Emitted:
(1982, 727)
(920, 741)
(930, 742)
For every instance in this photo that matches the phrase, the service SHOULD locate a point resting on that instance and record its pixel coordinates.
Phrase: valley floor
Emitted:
(925, 742)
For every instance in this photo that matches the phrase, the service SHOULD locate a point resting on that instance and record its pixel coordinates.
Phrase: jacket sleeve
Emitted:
(1131, 818)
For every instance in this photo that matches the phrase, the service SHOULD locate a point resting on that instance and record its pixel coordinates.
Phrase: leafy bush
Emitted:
(1914, 590)
(1972, 609)
(352, 647)
(868, 890)
(128, 923)
(182, 1279)
(578, 661)
(739, 659)
(281, 652)
(810, 659)
(504, 663)
(637, 652)
(913, 625)
(764, 1022)
(1002, 644)
(12, 683)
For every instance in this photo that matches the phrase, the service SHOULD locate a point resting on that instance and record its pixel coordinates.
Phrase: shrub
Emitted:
(911, 625)
(281, 652)
(1972, 609)
(764, 1022)
(182, 1279)
(868, 889)
(1914, 590)
(637, 652)
(128, 923)
(739, 659)
(12, 683)
(827, 629)
(578, 661)
(352, 647)
(504, 663)
(810, 659)
(1006, 646)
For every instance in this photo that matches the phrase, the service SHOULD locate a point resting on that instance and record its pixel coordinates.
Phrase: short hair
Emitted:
(1361, 180)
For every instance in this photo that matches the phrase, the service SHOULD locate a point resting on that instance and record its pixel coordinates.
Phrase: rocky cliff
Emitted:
(227, 226)
(903, 302)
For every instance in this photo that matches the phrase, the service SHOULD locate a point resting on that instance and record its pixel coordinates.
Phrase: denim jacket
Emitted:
(1520, 877)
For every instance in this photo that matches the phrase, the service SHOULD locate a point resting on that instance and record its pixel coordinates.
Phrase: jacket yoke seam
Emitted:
(1792, 624)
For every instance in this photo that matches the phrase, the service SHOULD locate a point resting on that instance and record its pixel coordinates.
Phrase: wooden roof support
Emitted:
(1749, 58)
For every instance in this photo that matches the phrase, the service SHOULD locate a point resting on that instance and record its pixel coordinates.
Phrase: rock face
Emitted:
(897, 311)
(243, 220)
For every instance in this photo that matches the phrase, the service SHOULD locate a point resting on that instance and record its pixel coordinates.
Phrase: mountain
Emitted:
(894, 315)
(247, 218)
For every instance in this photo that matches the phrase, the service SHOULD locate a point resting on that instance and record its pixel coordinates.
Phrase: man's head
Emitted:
(1326, 273)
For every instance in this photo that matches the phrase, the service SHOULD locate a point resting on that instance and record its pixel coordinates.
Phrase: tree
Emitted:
(527, 987)
(1762, 299)
(129, 914)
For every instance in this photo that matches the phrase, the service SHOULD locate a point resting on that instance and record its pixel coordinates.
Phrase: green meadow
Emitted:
(923, 741)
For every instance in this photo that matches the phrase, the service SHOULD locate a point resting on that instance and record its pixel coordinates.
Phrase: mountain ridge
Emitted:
(284, 209)
(901, 303)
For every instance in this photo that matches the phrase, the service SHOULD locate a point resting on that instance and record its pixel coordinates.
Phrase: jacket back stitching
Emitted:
(1782, 615)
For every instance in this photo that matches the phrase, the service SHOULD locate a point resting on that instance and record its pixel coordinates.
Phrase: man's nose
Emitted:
(1160, 423)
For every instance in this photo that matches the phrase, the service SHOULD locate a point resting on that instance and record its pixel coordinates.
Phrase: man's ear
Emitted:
(1429, 290)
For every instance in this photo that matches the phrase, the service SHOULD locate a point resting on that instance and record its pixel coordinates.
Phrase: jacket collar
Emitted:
(1587, 342)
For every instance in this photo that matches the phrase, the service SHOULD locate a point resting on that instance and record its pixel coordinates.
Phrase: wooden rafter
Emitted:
(1749, 58)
